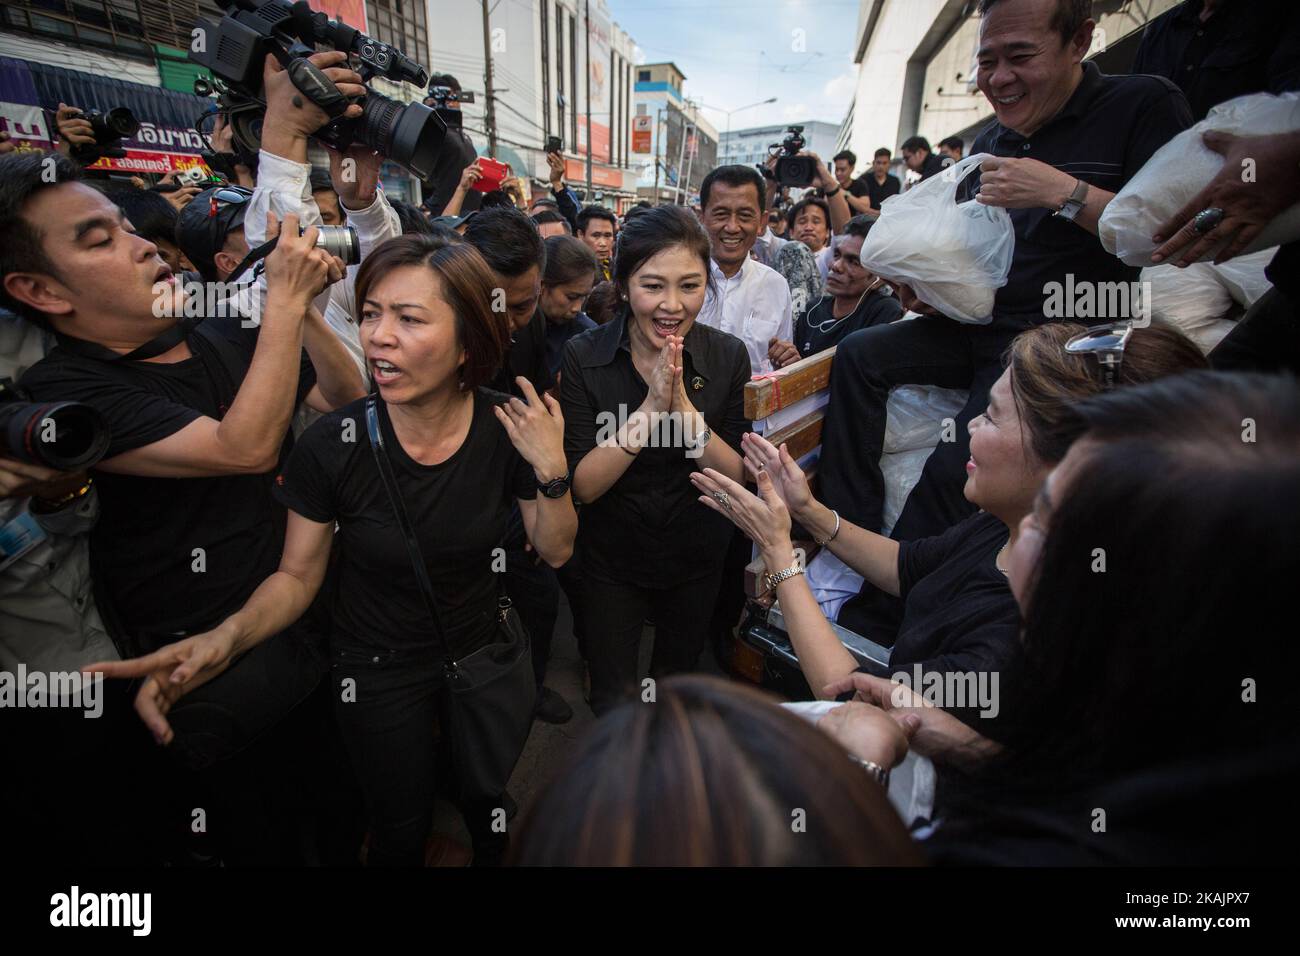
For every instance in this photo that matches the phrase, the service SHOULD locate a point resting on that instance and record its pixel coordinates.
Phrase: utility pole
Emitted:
(491, 112)
(681, 156)
(587, 16)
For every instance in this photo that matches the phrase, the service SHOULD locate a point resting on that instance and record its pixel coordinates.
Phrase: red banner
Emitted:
(139, 161)
(351, 12)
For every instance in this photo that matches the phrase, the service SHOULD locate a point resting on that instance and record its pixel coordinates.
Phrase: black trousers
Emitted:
(929, 350)
(387, 706)
(1267, 339)
(615, 615)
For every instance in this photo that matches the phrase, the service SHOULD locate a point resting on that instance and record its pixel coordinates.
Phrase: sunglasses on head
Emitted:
(1107, 343)
(226, 195)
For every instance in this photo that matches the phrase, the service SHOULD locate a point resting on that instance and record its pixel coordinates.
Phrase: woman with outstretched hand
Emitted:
(461, 457)
(647, 398)
(1137, 718)
(959, 614)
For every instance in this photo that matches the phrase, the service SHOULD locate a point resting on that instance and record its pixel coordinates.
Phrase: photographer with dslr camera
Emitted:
(197, 417)
(284, 184)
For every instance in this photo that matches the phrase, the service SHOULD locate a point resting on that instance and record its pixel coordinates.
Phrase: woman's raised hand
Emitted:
(764, 517)
(788, 480)
(536, 429)
(666, 377)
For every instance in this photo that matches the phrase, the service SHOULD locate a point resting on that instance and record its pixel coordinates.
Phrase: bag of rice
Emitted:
(955, 256)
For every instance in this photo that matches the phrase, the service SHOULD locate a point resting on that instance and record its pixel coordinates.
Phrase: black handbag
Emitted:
(487, 709)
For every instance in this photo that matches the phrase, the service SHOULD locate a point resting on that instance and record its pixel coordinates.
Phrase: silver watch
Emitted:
(1071, 207)
(701, 439)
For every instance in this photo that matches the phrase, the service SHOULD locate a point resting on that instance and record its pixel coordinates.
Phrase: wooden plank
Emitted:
(809, 375)
(802, 436)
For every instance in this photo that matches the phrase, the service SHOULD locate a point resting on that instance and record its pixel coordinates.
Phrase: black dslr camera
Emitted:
(65, 436)
(109, 128)
(235, 46)
(793, 169)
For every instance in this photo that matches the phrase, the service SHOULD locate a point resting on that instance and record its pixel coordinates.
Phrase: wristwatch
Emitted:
(1072, 205)
(556, 488)
(772, 580)
(832, 194)
(701, 440)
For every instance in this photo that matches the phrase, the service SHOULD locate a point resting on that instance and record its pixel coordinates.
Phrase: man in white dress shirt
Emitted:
(747, 299)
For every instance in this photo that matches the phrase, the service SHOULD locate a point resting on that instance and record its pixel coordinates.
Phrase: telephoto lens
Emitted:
(410, 134)
(341, 241)
(65, 436)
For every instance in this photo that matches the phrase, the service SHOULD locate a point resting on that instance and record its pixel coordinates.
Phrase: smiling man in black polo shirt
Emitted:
(1066, 138)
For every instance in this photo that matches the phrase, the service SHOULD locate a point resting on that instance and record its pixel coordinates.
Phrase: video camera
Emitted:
(109, 129)
(234, 48)
(793, 169)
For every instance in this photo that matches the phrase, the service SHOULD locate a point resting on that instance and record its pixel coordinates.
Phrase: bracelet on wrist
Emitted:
(881, 774)
(822, 542)
(46, 505)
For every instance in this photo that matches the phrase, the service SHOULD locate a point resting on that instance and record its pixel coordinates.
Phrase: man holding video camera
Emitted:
(458, 149)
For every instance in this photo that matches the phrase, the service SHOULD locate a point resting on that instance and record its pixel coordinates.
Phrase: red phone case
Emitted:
(494, 174)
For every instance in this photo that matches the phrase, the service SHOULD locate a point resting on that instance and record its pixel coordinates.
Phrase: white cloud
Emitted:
(795, 111)
(842, 87)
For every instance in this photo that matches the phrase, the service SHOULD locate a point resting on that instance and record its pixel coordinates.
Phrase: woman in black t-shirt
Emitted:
(647, 398)
(855, 298)
(430, 342)
(959, 615)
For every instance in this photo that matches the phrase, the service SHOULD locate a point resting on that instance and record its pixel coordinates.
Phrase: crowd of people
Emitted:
(321, 559)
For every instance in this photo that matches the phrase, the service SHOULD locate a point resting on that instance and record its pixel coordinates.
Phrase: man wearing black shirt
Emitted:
(880, 182)
(853, 297)
(456, 153)
(920, 159)
(1067, 139)
(514, 251)
(856, 191)
(1217, 50)
(198, 416)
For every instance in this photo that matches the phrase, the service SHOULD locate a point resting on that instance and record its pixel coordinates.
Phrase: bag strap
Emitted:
(404, 522)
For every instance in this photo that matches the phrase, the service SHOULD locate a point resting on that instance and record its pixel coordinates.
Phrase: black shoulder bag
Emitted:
(487, 710)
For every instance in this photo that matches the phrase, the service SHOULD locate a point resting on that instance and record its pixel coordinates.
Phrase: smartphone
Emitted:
(554, 144)
(494, 174)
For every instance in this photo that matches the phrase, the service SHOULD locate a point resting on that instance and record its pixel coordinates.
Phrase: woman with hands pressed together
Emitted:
(461, 456)
(647, 398)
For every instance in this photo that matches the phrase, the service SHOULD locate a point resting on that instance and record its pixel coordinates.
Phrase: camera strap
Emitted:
(312, 83)
(389, 479)
(156, 346)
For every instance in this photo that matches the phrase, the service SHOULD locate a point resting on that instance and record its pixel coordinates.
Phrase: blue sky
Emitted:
(738, 52)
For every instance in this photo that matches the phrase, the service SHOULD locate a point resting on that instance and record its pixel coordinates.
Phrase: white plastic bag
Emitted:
(954, 255)
(1183, 167)
(1199, 298)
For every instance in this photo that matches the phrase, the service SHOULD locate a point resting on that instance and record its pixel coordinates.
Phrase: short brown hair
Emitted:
(467, 286)
(1047, 382)
(710, 774)
(1068, 16)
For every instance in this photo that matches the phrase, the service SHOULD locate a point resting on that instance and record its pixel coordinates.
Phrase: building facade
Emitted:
(673, 140)
(916, 62)
(550, 59)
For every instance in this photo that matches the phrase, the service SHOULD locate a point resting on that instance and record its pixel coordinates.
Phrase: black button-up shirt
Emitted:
(1250, 46)
(1105, 133)
(648, 528)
